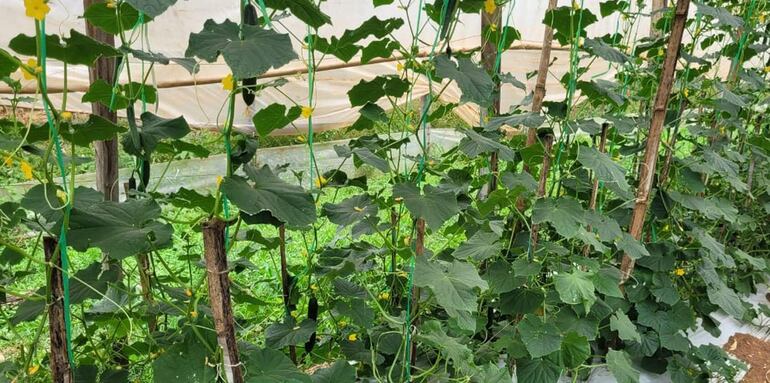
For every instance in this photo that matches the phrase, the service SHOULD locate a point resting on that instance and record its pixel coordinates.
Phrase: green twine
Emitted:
(68, 207)
(420, 170)
(744, 37)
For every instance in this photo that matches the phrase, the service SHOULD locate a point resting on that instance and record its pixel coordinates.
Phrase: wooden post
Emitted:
(647, 168)
(488, 60)
(542, 75)
(656, 13)
(106, 151)
(60, 364)
(545, 169)
(219, 295)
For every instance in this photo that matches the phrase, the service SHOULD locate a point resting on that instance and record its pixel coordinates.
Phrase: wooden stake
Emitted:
(656, 13)
(542, 75)
(60, 365)
(219, 295)
(647, 168)
(106, 151)
(545, 169)
(488, 60)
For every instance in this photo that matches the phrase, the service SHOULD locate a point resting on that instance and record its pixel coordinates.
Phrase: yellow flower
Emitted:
(219, 180)
(188, 292)
(66, 116)
(398, 199)
(353, 337)
(293, 313)
(343, 323)
(307, 112)
(32, 63)
(402, 273)
(8, 161)
(193, 314)
(36, 9)
(767, 69)
(32, 370)
(228, 83)
(679, 272)
(575, 5)
(581, 41)
(661, 51)
(321, 181)
(111, 4)
(407, 241)
(399, 67)
(301, 139)
(686, 92)
(490, 6)
(384, 296)
(493, 27)
(26, 169)
(314, 287)
(762, 18)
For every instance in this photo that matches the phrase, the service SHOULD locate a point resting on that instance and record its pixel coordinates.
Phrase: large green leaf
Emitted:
(713, 248)
(477, 143)
(184, 362)
(265, 365)
(619, 363)
(339, 372)
(564, 20)
(576, 288)
(575, 350)
(95, 129)
(603, 166)
(726, 299)
(481, 246)
(565, 214)
(305, 10)
(152, 8)
(435, 206)
(370, 91)
(121, 96)
(521, 301)
(456, 350)
(491, 373)
(540, 370)
(119, 229)
(187, 63)
(530, 120)
(626, 329)
(540, 338)
(78, 49)
(260, 49)
(153, 130)
(474, 81)
(273, 117)
(344, 47)
(605, 51)
(721, 14)
(350, 210)
(454, 284)
(105, 17)
(289, 203)
(279, 335)
(711, 208)
(631, 246)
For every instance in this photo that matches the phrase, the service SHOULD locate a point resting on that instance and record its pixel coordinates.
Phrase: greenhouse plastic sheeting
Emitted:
(202, 105)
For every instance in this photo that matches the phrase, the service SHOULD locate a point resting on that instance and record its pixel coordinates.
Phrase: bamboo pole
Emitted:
(60, 365)
(647, 167)
(488, 60)
(165, 84)
(219, 295)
